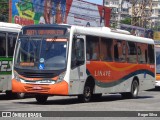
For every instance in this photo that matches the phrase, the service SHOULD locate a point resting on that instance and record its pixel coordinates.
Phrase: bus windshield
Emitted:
(41, 53)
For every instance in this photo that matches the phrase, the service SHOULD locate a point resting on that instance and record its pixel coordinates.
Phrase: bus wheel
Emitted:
(41, 98)
(87, 94)
(134, 91)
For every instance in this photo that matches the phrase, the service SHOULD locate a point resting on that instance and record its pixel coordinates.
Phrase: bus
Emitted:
(157, 51)
(8, 36)
(81, 61)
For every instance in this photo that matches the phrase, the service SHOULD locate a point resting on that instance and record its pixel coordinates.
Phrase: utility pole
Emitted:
(119, 13)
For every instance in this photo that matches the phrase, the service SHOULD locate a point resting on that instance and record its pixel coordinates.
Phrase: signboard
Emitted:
(74, 12)
(87, 14)
(156, 35)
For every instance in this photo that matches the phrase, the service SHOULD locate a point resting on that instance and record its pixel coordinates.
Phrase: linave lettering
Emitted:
(102, 73)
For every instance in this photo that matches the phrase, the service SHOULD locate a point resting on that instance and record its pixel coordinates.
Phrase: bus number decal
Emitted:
(5, 66)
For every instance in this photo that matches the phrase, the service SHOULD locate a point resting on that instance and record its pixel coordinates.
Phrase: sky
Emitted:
(95, 1)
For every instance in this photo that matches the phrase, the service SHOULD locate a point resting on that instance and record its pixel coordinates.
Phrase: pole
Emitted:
(10, 11)
(119, 13)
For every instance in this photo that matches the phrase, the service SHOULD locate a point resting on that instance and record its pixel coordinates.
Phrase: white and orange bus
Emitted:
(82, 61)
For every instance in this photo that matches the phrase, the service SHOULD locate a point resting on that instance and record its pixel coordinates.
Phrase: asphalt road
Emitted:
(146, 101)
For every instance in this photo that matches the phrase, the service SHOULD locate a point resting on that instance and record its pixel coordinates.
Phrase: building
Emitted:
(144, 13)
(115, 11)
(155, 13)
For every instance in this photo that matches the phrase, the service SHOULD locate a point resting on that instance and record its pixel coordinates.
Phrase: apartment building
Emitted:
(155, 13)
(114, 5)
(126, 10)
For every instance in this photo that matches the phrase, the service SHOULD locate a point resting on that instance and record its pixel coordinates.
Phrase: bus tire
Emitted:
(41, 99)
(134, 91)
(87, 93)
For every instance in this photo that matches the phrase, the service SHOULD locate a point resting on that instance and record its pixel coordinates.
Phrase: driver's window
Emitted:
(77, 52)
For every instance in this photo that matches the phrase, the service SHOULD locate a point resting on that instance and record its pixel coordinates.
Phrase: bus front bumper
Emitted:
(60, 88)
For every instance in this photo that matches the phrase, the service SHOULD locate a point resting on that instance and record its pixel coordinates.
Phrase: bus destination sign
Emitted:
(43, 32)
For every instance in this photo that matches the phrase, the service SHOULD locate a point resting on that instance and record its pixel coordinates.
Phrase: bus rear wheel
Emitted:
(134, 91)
(41, 98)
(87, 93)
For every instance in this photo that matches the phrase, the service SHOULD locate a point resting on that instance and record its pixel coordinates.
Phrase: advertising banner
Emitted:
(73, 12)
(87, 14)
(27, 12)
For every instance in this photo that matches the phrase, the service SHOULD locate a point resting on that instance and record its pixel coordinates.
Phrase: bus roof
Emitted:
(99, 31)
(109, 33)
(10, 27)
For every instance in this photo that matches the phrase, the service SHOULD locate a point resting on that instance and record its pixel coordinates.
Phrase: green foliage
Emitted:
(126, 21)
(4, 10)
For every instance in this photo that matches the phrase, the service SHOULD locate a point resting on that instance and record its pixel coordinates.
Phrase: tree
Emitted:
(4, 10)
(126, 21)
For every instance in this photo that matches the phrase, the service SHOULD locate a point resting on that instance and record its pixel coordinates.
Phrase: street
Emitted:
(146, 101)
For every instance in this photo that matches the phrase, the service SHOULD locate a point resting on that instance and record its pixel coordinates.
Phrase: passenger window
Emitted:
(2, 44)
(142, 53)
(106, 49)
(119, 50)
(77, 58)
(151, 59)
(92, 48)
(11, 43)
(132, 52)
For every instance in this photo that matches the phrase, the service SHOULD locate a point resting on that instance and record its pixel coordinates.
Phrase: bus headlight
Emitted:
(61, 77)
(16, 76)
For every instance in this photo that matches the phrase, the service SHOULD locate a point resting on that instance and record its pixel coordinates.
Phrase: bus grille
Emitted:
(37, 75)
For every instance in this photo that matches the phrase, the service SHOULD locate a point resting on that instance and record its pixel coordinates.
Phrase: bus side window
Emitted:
(92, 48)
(132, 52)
(2, 44)
(11, 43)
(77, 58)
(116, 54)
(151, 54)
(141, 52)
(106, 49)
